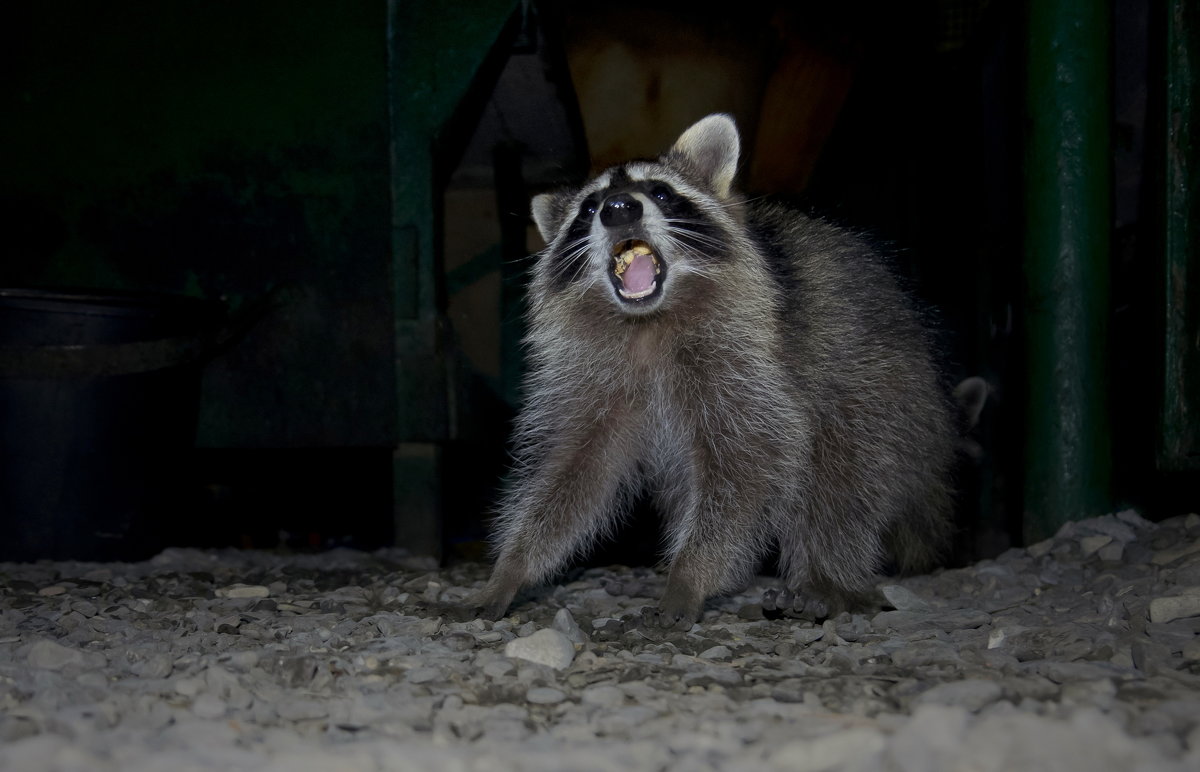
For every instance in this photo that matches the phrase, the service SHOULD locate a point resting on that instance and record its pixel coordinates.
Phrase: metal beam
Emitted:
(436, 53)
(1068, 228)
(1179, 448)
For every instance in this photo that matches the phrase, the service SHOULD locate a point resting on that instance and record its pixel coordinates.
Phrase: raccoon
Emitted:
(759, 373)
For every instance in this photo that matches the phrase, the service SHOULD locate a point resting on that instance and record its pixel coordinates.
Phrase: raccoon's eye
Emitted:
(661, 192)
(588, 208)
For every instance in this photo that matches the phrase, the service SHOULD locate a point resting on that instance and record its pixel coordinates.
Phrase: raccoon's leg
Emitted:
(828, 562)
(717, 530)
(827, 587)
(833, 544)
(553, 510)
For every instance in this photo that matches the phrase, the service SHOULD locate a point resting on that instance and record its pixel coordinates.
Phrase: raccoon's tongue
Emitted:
(639, 275)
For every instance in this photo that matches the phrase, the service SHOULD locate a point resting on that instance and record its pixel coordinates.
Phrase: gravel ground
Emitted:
(1080, 652)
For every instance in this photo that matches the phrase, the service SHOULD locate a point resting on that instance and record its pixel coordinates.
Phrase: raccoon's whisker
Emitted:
(573, 249)
(526, 258)
(700, 248)
(691, 243)
(574, 252)
(690, 235)
(737, 203)
(685, 221)
(703, 273)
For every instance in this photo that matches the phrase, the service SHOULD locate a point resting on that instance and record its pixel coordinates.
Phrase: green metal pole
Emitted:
(435, 54)
(1179, 447)
(1067, 245)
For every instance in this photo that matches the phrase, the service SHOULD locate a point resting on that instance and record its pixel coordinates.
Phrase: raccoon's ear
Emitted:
(548, 210)
(971, 394)
(709, 149)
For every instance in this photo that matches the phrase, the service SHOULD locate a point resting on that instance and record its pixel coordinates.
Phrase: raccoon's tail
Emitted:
(920, 541)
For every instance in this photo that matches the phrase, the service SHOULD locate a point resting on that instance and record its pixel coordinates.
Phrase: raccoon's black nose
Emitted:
(620, 209)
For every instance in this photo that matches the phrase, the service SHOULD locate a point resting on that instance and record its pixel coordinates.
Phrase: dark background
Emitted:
(247, 153)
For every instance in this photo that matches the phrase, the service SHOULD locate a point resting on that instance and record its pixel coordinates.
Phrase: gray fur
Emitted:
(777, 390)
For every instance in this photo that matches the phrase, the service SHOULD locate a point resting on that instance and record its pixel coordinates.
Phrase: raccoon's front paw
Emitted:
(678, 610)
(497, 595)
(490, 611)
(487, 605)
(453, 612)
(655, 617)
(797, 605)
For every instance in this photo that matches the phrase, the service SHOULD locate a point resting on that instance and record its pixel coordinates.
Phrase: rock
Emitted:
(1041, 548)
(854, 629)
(302, 709)
(806, 635)
(545, 647)
(849, 749)
(152, 665)
(49, 655)
(970, 693)
(100, 574)
(909, 621)
(603, 695)
(423, 675)
(499, 668)
(544, 695)
(1097, 693)
(459, 640)
(242, 591)
(1169, 555)
(1174, 607)
(208, 706)
(1087, 740)
(919, 653)
(312, 760)
(897, 621)
(188, 687)
(47, 752)
(716, 652)
(565, 623)
(147, 666)
(930, 740)
(607, 629)
(1112, 526)
(1131, 517)
(904, 599)
(750, 611)
(791, 690)
(1070, 672)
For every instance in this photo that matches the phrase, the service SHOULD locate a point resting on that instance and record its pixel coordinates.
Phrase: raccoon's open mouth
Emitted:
(636, 270)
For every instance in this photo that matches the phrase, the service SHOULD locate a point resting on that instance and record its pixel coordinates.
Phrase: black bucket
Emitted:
(99, 395)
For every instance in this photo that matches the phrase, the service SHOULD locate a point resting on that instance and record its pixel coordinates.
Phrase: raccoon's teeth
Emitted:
(639, 295)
